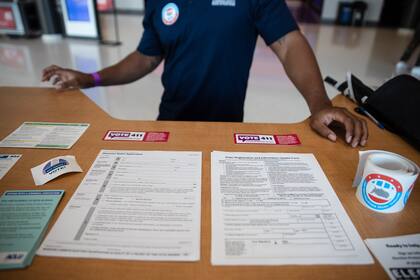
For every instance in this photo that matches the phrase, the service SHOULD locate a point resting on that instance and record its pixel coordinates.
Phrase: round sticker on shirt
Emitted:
(170, 14)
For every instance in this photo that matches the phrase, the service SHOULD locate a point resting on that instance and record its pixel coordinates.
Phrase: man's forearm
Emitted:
(302, 68)
(130, 69)
(300, 64)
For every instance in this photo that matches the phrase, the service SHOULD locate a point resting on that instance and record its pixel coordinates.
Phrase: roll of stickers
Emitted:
(384, 180)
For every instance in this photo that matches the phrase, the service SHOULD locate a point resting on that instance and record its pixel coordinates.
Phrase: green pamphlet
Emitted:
(24, 216)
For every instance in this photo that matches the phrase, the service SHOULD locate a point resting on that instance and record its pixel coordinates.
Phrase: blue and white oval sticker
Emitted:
(170, 14)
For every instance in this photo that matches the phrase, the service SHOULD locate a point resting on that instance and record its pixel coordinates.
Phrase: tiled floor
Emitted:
(370, 53)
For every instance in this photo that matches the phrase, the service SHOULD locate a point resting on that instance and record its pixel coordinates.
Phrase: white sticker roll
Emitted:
(384, 181)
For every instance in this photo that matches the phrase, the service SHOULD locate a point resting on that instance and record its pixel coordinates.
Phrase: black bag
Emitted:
(395, 104)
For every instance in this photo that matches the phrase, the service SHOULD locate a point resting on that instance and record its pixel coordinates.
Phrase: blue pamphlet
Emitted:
(24, 216)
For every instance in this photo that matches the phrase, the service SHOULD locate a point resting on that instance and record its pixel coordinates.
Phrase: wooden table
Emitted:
(338, 161)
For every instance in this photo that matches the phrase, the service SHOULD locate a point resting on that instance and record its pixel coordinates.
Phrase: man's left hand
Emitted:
(356, 129)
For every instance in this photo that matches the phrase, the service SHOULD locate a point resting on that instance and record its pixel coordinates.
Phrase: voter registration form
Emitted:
(278, 209)
(133, 205)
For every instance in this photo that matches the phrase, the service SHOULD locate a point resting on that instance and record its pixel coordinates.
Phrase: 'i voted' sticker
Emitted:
(54, 168)
(380, 191)
(170, 14)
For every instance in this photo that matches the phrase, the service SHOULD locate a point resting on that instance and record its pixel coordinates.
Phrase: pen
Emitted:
(363, 111)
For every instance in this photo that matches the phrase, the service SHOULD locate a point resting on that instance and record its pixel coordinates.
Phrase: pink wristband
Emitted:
(96, 79)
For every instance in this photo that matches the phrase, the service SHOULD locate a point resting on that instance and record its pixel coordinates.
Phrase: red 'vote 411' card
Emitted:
(139, 136)
(247, 138)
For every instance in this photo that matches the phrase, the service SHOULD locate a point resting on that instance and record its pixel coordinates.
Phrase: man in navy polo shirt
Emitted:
(207, 47)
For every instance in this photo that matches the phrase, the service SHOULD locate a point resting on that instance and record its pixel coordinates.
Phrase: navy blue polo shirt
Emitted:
(208, 46)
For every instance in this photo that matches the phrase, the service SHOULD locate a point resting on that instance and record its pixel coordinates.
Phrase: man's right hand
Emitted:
(63, 78)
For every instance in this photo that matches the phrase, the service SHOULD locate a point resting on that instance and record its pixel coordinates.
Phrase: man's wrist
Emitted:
(315, 108)
(86, 80)
(96, 79)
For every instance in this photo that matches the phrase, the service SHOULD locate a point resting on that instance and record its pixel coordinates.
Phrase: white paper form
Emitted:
(399, 255)
(278, 209)
(134, 205)
(45, 135)
(6, 163)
